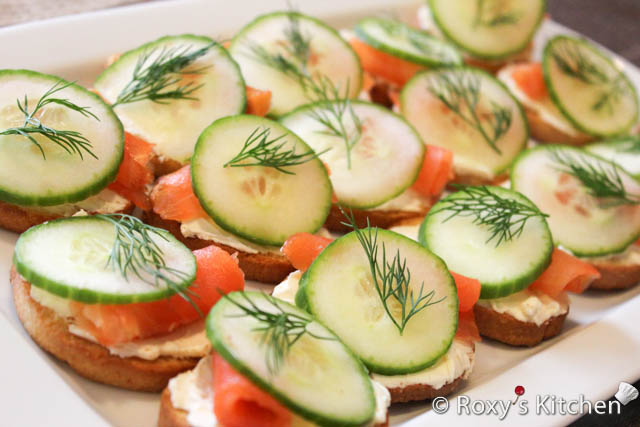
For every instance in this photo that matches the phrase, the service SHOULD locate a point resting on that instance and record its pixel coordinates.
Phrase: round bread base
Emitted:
(509, 330)
(418, 392)
(19, 219)
(91, 360)
(615, 276)
(544, 132)
(473, 179)
(377, 218)
(262, 267)
(164, 165)
(171, 416)
(493, 66)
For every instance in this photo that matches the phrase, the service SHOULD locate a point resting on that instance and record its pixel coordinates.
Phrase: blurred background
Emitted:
(613, 23)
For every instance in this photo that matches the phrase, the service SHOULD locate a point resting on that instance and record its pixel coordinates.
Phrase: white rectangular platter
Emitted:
(598, 348)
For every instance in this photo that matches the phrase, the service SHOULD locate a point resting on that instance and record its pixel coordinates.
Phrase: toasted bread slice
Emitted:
(507, 329)
(91, 360)
(164, 165)
(19, 219)
(615, 276)
(170, 416)
(377, 218)
(418, 392)
(262, 267)
(545, 132)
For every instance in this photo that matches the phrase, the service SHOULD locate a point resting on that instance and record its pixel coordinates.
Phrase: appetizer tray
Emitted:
(598, 349)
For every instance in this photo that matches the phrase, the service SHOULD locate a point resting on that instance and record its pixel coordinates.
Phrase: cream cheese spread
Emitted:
(106, 201)
(410, 201)
(529, 306)
(193, 392)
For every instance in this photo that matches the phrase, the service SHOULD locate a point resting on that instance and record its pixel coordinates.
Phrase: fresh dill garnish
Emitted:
(261, 150)
(293, 61)
(391, 278)
(570, 58)
(504, 218)
(630, 146)
(599, 177)
(159, 80)
(459, 90)
(136, 252)
(72, 142)
(493, 14)
(280, 329)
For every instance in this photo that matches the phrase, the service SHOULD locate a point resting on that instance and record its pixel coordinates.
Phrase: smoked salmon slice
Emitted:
(173, 197)
(468, 291)
(237, 402)
(467, 328)
(110, 324)
(436, 171)
(566, 273)
(302, 248)
(135, 173)
(258, 101)
(530, 80)
(381, 64)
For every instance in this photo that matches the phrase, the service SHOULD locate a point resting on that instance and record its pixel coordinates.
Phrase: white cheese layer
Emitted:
(106, 201)
(545, 108)
(192, 392)
(409, 201)
(457, 362)
(631, 256)
(529, 306)
(186, 341)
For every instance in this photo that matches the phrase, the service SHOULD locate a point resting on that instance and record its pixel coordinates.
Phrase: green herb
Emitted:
(459, 90)
(72, 142)
(570, 58)
(259, 150)
(158, 80)
(505, 218)
(391, 278)
(599, 177)
(337, 109)
(493, 14)
(135, 251)
(280, 329)
(631, 146)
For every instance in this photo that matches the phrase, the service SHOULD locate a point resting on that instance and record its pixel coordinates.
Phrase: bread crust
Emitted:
(493, 66)
(164, 165)
(507, 329)
(418, 392)
(545, 132)
(18, 219)
(377, 218)
(615, 276)
(170, 416)
(91, 360)
(262, 267)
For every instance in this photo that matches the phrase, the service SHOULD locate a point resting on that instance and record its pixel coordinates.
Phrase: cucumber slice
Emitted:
(384, 161)
(438, 124)
(319, 379)
(624, 151)
(490, 29)
(261, 204)
(338, 289)
(330, 56)
(468, 249)
(588, 88)
(173, 126)
(28, 179)
(585, 225)
(398, 39)
(69, 258)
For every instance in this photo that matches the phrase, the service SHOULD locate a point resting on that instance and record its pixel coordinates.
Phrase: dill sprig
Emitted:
(505, 218)
(459, 91)
(136, 252)
(631, 146)
(293, 61)
(72, 142)
(572, 61)
(261, 150)
(159, 80)
(280, 329)
(599, 177)
(494, 15)
(391, 278)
